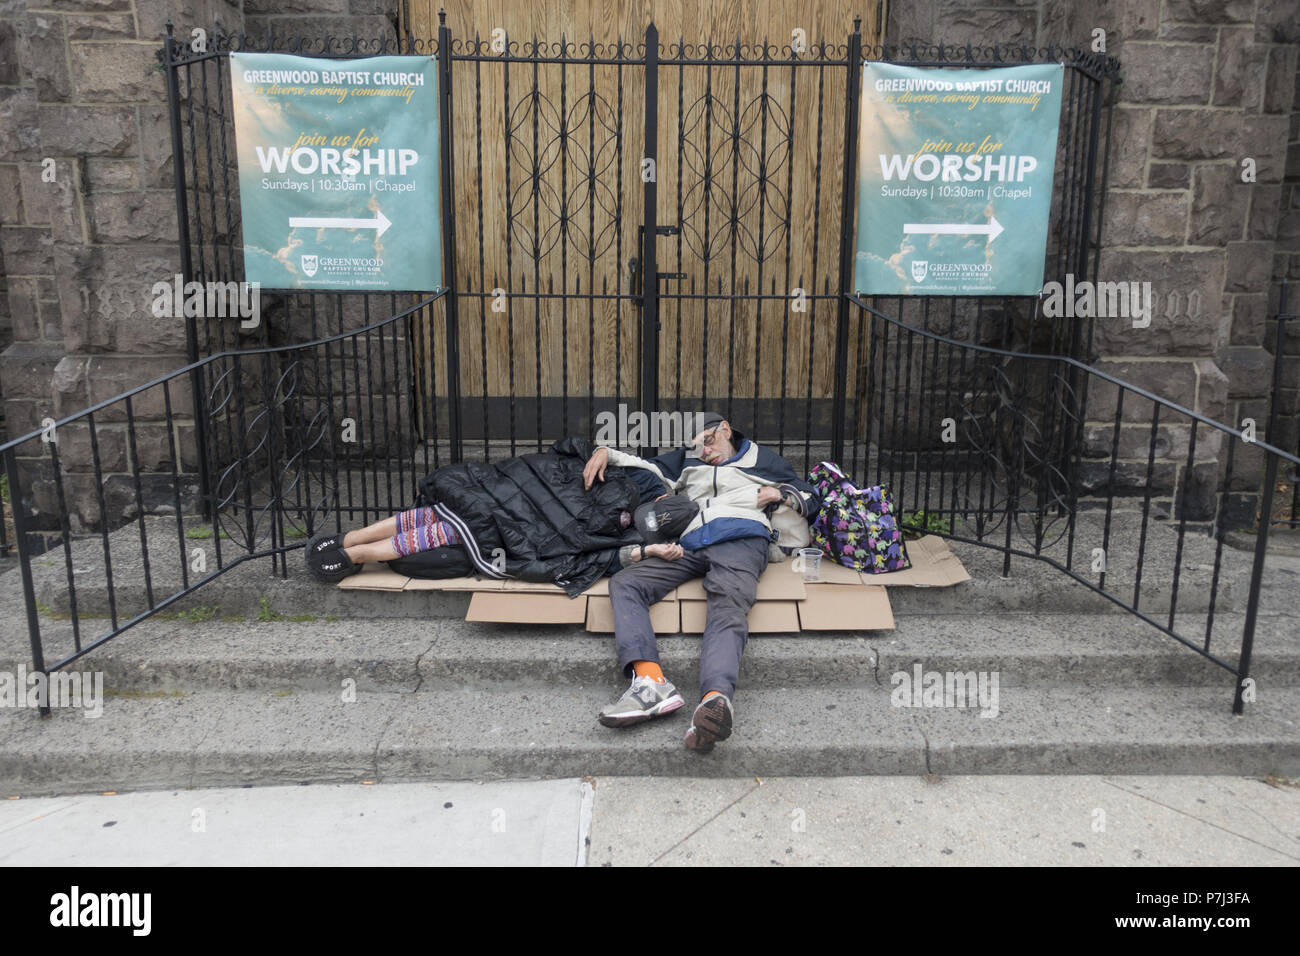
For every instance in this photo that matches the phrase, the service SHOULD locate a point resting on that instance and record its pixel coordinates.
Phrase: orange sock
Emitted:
(648, 669)
(711, 694)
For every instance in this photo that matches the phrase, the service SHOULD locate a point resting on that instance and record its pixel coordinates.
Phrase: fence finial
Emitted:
(442, 16)
(857, 24)
(169, 26)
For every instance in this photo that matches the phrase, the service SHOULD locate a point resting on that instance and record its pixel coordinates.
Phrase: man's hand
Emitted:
(595, 468)
(668, 551)
(767, 495)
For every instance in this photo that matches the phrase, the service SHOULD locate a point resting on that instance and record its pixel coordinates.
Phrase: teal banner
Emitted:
(955, 179)
(338, 171)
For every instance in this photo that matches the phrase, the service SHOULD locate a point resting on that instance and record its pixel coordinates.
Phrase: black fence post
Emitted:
(839, 402)
(25, 566)
(446, 156)
(187, 272)
(1265, 514)
(649, 266)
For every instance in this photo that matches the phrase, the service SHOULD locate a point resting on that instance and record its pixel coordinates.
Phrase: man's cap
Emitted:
(665, 519)
(709, 420)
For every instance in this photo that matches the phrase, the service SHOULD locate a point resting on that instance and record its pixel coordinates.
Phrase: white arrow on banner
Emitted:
(380, 222)
(992, 230)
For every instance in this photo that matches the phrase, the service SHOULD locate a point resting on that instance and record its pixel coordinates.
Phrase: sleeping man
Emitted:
(749, 500)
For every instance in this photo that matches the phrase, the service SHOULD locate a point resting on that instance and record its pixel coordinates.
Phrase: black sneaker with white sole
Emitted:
(326, 559)
(710, 723)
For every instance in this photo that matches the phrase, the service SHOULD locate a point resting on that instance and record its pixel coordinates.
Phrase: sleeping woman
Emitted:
(527, 517)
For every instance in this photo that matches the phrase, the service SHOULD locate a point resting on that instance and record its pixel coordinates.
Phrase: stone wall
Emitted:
(87, 208)
(1207, 85)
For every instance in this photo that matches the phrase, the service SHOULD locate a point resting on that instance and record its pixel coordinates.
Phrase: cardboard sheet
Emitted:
(665, 617)
(375, 577)
(842, 600)
(525, 608)
(934, 565)
(834, 607)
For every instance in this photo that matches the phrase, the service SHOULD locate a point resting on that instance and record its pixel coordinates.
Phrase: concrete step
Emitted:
(247, 588)
(1027, 649)
(210, 737)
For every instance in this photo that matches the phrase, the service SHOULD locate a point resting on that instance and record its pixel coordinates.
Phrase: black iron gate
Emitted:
(627, 228)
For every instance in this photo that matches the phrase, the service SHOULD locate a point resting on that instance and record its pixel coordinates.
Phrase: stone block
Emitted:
(86, 6)
(1209, 11)
(23, 309)
(43, 48)
(112, 174)
(28, 370)
(1239, 73)
(311, 7)
(1197, 497)
(11, 195)
(20, 126)
(10, 73)
(1219, 204)
(1188, 32)
(1211, 390)
(1129, 480)
(209, 14)
(28, 250)
(80, 381)
(117, 72)
(1185, 134)
(1265, 211)
(1250, 266)
(148, 216)
(1130, 144)
(93, 130)
(1188, 314)
(1249, 313)
(1165, 73)
(1169, 176)
(1249, 370)
(1173, 381)
(1279, 86)
(1145, 219)
(103, 26)
(156, 147)
(1264, 139)
(1172, 440)
(76, 453)
(1276, 22)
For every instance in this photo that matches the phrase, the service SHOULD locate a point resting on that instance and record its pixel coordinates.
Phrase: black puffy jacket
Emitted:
(530, 517)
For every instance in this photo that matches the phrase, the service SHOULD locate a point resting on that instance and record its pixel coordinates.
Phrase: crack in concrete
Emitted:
(684, 839)
(1192, 816)
(419, 679)
(374, 757)
(194, 754)
(875, 663)
(921, 730)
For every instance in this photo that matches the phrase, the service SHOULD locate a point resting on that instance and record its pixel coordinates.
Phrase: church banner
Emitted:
(338, 171)
(955, 179)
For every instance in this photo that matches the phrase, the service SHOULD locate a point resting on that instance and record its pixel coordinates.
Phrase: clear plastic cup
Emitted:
(809, 562)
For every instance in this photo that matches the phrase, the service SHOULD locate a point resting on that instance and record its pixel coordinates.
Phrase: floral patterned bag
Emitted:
(856, 526)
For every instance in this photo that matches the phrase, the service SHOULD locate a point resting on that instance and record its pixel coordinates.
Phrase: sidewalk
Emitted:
(638, 821)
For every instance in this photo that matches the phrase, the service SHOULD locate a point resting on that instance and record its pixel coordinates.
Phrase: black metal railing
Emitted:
(577, 286)
(115, 488)
(1033, 454)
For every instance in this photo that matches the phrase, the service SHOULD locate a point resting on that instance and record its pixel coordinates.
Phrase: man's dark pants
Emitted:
(730, 569)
